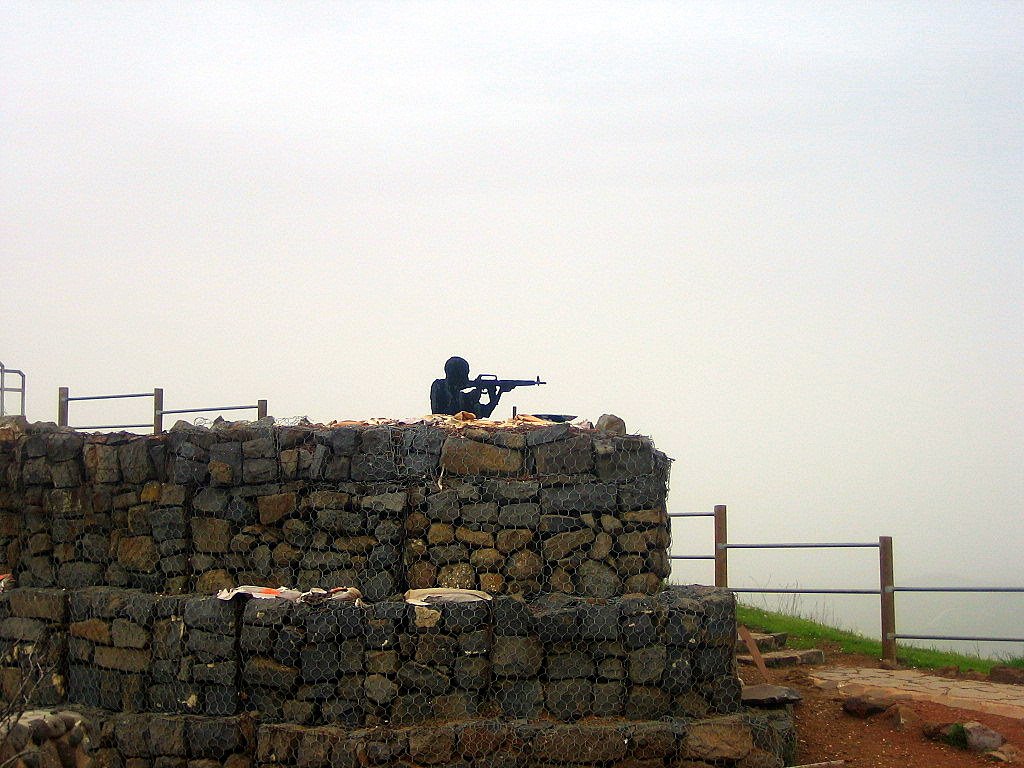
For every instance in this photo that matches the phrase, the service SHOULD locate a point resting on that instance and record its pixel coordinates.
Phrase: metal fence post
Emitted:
(721, 551)
(888, 598)
(62, 407)
(158, 410)
(261, 409)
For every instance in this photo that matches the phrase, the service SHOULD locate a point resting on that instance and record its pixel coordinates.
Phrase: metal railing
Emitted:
(157, 425)
(886, 590)
(4, 389)
(965, 590)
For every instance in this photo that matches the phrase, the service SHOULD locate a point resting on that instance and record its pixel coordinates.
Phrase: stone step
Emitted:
(765, 641)
(787, 658)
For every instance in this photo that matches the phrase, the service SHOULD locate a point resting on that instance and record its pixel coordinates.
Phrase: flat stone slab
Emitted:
(765, 641)
(766, 695)
(787, 658)
(978, 696)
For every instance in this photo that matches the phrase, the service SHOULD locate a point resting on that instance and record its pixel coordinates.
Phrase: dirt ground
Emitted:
(825, 732)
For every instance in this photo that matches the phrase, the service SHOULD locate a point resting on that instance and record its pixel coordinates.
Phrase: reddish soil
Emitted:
(825, 732)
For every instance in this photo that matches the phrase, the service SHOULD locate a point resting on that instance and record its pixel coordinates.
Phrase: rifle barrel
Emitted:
(494, 381)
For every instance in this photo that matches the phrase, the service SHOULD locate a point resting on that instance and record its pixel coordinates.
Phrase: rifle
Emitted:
(490, 381)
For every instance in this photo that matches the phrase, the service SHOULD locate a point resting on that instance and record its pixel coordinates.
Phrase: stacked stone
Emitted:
(52, 458)
(303, 663)
(35, 567)
(443, 671)
(517, 658)
(101, 529)
(235, 522)
(529, 511)
(452, 537)
(552, 509)
(12, 504)
(48, 460)
(641, 657)
(353, 539)
(229, 546)
(43, 738)
(723, 741)
(331, 661)
(453, 541)
(110, 649)
(33, 645)
(195, 663)
(137, 559)
(167, 510)
(147, 740)
(96, 531)
(278, 508)
(79, 530)
(713, 659)
(383, 637)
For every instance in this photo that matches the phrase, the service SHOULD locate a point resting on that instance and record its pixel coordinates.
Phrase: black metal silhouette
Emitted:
(457, 392)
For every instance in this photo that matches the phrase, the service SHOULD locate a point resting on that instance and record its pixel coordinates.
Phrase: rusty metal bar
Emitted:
(958, 589)
(63, 398)
(888, 602)
(691, 514)
(961, 637)
(62, 407)
(110, 426)
(166, 411)
(158, 410)
(721, 547)
(107, 397)
(4, 389)
(691, 557)
(821, 545)
(759, 590)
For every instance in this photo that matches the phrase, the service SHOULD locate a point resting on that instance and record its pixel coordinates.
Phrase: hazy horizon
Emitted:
(785, 242)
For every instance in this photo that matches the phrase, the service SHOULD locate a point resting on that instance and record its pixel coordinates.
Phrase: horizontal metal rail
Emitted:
(759, 590)
(823, 545)
(111, 426)
(210, 410)
(157, 425)
(886, 590)
(959, 589)
(107, 397)
(4, 389)
(901, 636)
(64, 397)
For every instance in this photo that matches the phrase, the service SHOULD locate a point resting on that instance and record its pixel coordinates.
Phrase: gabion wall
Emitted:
(520, 511)
(575, 652)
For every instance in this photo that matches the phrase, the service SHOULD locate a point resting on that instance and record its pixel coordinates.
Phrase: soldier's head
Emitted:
(456, 371)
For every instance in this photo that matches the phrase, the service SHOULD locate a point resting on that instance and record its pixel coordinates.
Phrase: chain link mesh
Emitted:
(547, 633)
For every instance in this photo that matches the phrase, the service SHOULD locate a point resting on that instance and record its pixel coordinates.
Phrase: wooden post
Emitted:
(62, 406)
(888, 599)
(261, 409)
(721, 552)
(158, 410)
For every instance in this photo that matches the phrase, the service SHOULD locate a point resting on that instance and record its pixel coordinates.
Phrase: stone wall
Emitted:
(749, 740)
(556, 656)
(45, 739)
(581, 656)
(510, 510)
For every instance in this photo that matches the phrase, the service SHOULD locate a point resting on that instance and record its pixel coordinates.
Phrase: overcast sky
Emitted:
(783, 240)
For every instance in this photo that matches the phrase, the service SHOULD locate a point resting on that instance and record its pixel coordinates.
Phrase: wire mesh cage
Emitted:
(440, 592)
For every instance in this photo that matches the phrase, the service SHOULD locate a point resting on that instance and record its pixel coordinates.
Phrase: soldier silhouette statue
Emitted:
(457, 392)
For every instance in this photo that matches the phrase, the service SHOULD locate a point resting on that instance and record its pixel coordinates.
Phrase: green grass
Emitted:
(805, 633)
